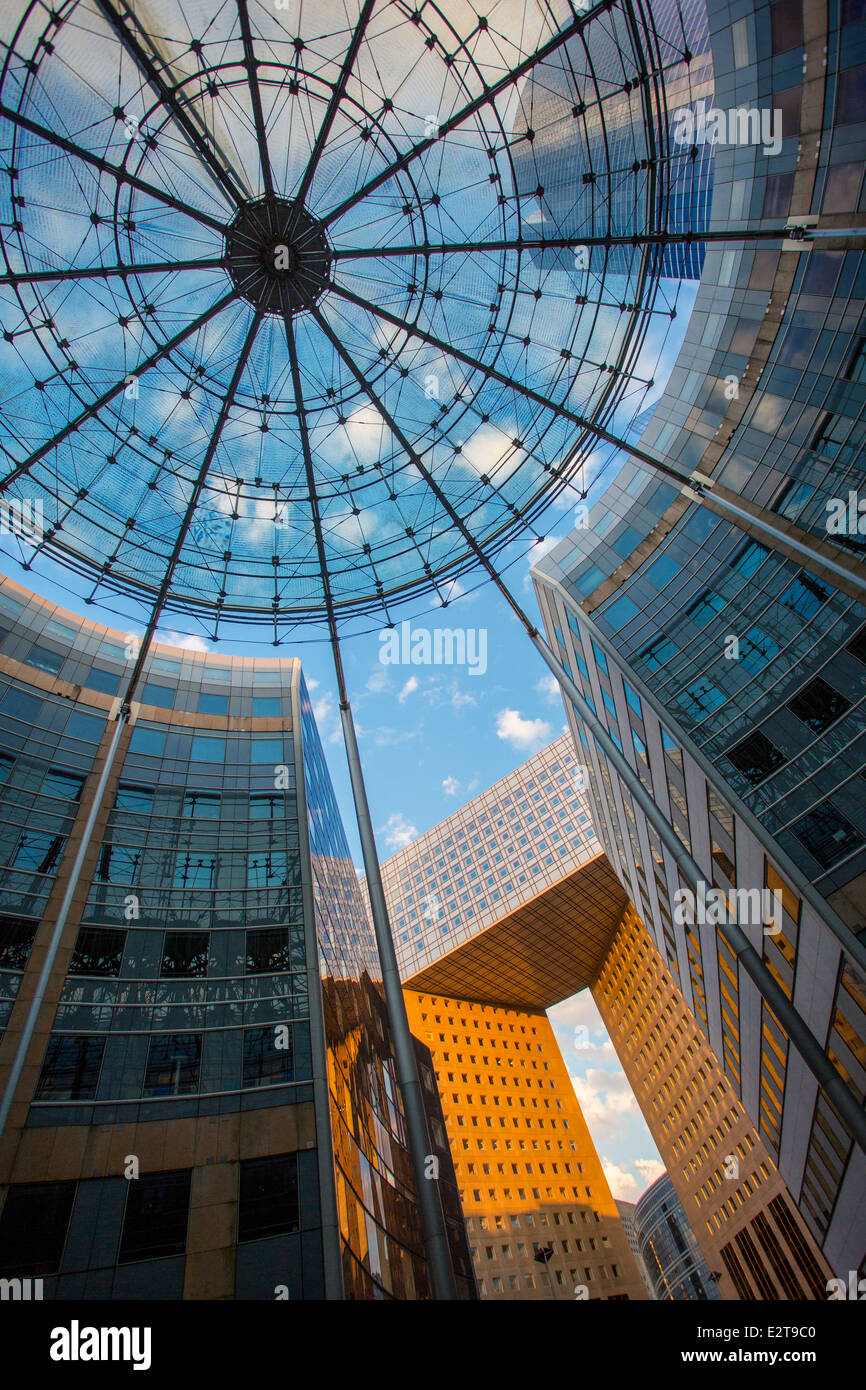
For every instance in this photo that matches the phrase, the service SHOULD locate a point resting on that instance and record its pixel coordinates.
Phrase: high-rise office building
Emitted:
(728, 663)
(502, 909)
(751, 1234)
(670, 1253)
(626, 1216)
(208, 1106)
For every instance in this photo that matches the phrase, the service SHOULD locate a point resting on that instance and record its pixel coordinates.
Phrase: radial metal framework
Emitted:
(462, 216)
(305, 312)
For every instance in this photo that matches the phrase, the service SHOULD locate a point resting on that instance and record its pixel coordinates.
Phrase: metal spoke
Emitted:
(106, 167)
(195, 496)
(103, 272)
(199, 137)
(255, 97)
(562, 243)
(487, 96)
(334, 103)
(107, 396)
(556, 407)
(705, 491)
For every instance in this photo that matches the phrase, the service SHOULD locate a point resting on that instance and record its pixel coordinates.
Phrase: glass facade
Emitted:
(671, 1255)
(233, 1145)
(733, 673)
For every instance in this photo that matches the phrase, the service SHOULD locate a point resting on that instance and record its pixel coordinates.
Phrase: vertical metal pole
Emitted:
(54, 943)
(432, 1216)
(436, 1246)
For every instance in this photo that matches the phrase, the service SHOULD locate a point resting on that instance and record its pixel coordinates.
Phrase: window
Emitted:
(267, 750)
(130, 798)
(207, 750)
(268, 1055)
(267, 869)
(155, 1220)
(827, 835)
(805, 596)
(160, 695)
(173, 1063)
(756, 649)
(118, 863)
(662, 572)
(700, 698)
(185, 953)
(71, 1068)
(706, 608)
(146, 739)
(266, 706)
(98, 951)
(20, 705)
(33, 1228)
(620, 612)
(213, 704)
(749, 558)
(195, 871)
(786, 26)
(268, 1201)
(106, 682)
(267, 807)
(818, 705)
(66, 786)
(16, 939)
(37, 852)
(851, 95)
(201, 806)
(44, 660)
(658, 653)
(268, 950)
(793, 497)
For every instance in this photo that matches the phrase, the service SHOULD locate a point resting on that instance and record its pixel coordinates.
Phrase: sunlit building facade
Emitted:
(209, 1104)
(730, 668)
(752, 1237)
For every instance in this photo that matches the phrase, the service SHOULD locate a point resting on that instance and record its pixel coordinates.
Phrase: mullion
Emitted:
(255, 97)
(335, 101)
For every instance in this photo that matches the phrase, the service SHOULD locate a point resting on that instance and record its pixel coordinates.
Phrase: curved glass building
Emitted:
(718, 628)
(209, 1105)
(670, 1253)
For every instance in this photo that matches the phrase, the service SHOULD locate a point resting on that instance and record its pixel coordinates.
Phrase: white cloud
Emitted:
(408, 689)
(398, 831)
(522, 733)
(623, 1184)
(187, 640)
(450, 786)
(377, 681)
(607, 1102)
(649, 1168)
(548, 688)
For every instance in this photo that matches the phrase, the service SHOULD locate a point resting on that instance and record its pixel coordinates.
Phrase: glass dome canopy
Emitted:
(296, 305)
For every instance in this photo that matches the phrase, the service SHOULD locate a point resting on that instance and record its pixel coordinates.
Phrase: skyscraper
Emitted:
(208, 1103)
(668, 1248)
(716, 629)
(504, 908)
